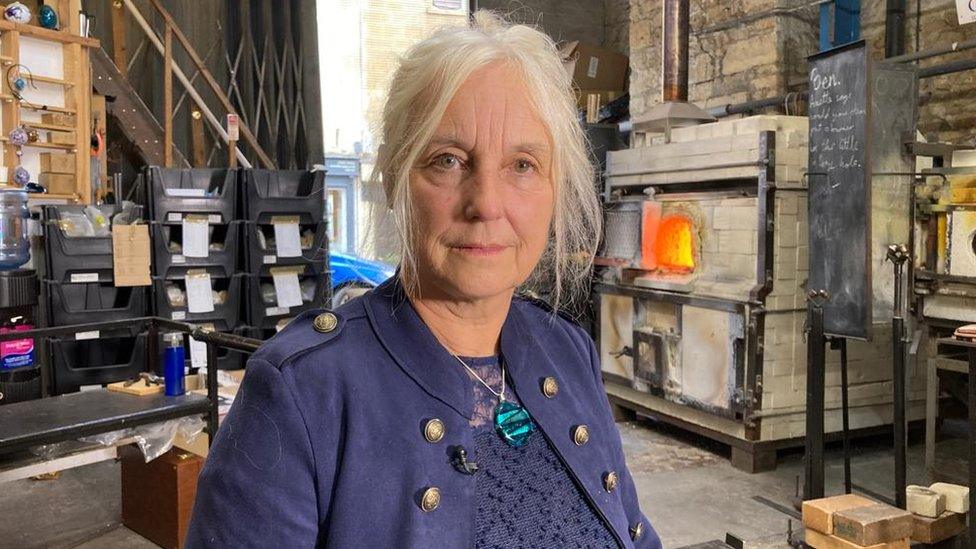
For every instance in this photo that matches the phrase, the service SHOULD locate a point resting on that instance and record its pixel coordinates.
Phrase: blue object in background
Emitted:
(352, 275)
(174, 364)
(847, 23)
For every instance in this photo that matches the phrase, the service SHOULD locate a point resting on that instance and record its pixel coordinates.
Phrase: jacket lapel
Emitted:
(415, 349)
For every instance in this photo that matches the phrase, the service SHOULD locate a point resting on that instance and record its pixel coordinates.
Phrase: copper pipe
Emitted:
(674, 81)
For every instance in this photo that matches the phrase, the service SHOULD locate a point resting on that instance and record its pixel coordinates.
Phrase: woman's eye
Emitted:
(523, 166)
(447, 162)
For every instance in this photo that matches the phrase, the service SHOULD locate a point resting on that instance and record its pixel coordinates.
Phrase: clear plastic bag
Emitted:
(76, 225)
(100, 223)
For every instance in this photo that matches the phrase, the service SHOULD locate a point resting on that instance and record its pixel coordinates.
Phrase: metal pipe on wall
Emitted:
(895, 28)
(674, 73)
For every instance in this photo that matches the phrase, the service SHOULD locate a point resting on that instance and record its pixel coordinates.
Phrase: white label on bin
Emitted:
(195, 193)
(174, 216)
(84, 277)
(276, 311)
(270, 259)
(179, 259)
(287, 241)
(215, 218)
(87, 335)
(179, 315)
(593, 67)
(287, 289)
(196, 236)
(199, 293)
(198, 353)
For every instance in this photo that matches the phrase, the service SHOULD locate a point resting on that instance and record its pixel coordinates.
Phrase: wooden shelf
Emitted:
(45, 126)
(52, 196)
(42, 145)
(45, 108)
(51, 80)
(6, 60)
(47, 34)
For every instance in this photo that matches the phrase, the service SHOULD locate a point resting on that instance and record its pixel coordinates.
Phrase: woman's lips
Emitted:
(480, 250)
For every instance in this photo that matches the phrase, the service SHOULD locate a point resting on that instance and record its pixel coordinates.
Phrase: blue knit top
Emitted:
(525, 496)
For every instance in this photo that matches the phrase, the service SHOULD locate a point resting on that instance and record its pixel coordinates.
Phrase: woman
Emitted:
(438, 410)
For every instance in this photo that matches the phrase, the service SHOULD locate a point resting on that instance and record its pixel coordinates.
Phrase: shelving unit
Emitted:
(58, 62)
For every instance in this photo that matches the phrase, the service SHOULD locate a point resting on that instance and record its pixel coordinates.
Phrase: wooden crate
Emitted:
(58, 163)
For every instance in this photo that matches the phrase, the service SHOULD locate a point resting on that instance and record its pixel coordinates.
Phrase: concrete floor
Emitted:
(687, 488)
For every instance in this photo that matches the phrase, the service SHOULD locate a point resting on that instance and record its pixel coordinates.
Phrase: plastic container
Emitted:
(226, 316)
(93, 302)
(223, 258)
(271, 193)
(264, 314)
(76, 258)
(262, 254)
(14, 236)
(174, 193)
(95, 361)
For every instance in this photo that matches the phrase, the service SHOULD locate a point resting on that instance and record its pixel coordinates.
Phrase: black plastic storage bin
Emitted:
(260, 259)
(266, 315)
(219, 185)
(172, 264)
(270, 193)
(95, 361)
(93, 302)
(225, 316)
(76, 258)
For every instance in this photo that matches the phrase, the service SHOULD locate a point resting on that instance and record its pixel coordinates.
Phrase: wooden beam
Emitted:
(168, 96)
(214, 86)
(48, 34)
(120, 53)
(197, 140)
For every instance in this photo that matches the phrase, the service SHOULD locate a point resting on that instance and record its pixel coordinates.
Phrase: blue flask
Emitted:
(174, 364)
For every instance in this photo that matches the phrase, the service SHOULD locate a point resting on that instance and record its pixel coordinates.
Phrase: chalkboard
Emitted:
(839, 189)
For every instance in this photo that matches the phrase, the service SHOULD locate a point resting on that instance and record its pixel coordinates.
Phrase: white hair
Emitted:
(429, 75)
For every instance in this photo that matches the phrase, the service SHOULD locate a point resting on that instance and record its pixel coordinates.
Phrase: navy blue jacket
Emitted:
(325, 444)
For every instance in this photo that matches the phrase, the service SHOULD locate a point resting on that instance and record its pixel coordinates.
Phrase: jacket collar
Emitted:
(410, 342)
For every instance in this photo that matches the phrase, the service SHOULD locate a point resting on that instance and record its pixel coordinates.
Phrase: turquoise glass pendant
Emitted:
(513, 423)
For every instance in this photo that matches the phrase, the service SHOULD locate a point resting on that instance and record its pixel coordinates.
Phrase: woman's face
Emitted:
(482, 190)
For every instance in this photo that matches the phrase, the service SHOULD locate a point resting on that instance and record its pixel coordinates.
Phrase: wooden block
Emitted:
(818, 513)
(58, 119)
(819, 540)
(873, 524)
(936, 530)
(138, 388)
(957, 497)
(924, 502)
(57, 163)
(58, 183)
(62, 138)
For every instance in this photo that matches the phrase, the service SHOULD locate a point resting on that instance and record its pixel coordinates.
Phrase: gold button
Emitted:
(636, 531)
(610, 481)
(430, 499)
(550, 387)
(581, 435)
(325, 323)
(434, 430)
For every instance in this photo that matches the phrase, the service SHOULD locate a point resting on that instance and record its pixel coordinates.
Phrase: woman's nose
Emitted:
(484, 201)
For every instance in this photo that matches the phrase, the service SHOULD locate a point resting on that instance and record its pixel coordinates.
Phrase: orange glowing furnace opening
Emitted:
(674, 247)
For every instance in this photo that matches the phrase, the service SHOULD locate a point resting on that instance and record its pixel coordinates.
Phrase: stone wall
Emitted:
(563, 21)
(756, 49)
(616, 25)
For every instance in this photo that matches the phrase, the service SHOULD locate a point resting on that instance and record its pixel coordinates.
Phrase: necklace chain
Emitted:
(501, 395)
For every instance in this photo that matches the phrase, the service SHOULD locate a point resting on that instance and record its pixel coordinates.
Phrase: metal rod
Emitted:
(845, 415)
(947, 68)
(72, 329)
(813, 486)
(895, 28)
(213, 414)
(152, 349)
(934, 52)
(898, 255)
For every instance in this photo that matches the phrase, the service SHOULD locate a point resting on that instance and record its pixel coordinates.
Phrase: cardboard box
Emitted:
(62, 138)
(58, 163)
(58, 183)
(595, 68)
(873, 524)
(130, 255)
(818, 513)
(157, 497)
(606, 96)
(936, 530)
(58, 119)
